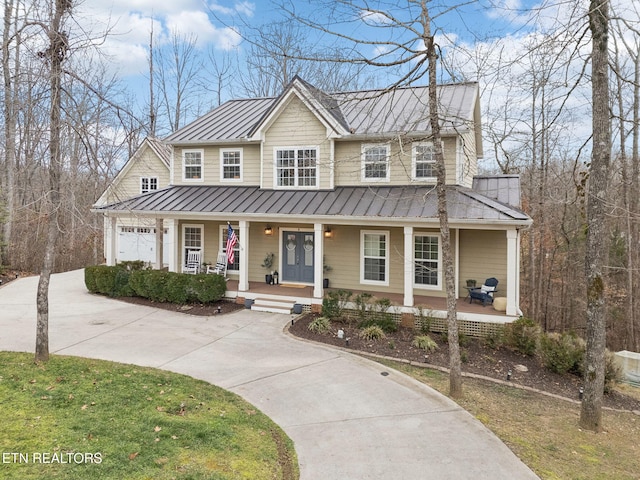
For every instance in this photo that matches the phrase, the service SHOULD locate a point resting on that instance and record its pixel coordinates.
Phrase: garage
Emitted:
(139, 243)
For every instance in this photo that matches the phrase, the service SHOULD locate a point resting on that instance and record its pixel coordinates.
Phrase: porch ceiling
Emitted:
(392, 202)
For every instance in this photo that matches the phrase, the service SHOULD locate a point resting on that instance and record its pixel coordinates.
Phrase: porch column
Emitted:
(512, 272)
(243, 280)
(159, 243)
(175, 259)
(110, 244)
(408, 267)
(318, 252)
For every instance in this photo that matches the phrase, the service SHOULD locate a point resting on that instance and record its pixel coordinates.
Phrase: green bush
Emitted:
(495, 338)
(561, 353)
(522, 335)
(207, 288)
(372, 332)
(90, 278)
(426, 343)
(320, 325)
(176, 288)
(424, 319)
(334, 303)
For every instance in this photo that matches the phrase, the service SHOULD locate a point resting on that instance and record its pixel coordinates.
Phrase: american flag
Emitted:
(232, 239)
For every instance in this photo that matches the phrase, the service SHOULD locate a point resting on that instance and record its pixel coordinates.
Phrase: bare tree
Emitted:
(597, 233)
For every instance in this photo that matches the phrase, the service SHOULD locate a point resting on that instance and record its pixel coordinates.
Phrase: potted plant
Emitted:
(268, 264)
(471, 283)
(325, 268)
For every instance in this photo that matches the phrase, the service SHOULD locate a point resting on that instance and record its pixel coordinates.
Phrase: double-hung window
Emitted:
(192, 239)
(224, 231)
(427, 257)
(374, 247)
(424, 161)
(148, 184)
(231, 164)
(296, 167)
(375, 163)
(192, 165)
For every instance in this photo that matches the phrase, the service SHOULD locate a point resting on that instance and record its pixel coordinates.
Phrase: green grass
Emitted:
(74, 418)
(544, 431)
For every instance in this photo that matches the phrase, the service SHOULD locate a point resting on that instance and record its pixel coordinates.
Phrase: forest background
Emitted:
(530, 59)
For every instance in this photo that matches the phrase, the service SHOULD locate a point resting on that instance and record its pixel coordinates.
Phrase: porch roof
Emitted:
(342, 203)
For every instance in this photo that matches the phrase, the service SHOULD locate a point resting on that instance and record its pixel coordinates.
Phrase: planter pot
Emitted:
(248, 302)
(325, 283)
(297, 308)
(268, 279)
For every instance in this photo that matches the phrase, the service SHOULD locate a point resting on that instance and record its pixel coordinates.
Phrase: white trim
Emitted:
(318, 267)
(409, 270)
(296, 168)
(387, 236)
(183, 248)
(222, 165)
(438, 285)
(512, 271)
(414, 162)
(149, 179)
(184, 166)
(363, 149)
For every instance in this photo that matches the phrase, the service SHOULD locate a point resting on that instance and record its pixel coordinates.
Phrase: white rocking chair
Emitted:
(220, 268)
(193, 262)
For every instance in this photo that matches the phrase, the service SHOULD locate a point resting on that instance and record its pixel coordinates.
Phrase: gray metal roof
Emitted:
(394, 202)
(365, 112)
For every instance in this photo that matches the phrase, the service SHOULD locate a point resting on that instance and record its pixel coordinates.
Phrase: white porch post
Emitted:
(175, 260)
(243, 280)
(318, 252)
(159, 243)
(408, 267)
(110, 244)
(512, 272)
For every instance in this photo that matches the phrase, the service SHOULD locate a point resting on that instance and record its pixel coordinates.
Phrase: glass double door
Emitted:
(297, 257)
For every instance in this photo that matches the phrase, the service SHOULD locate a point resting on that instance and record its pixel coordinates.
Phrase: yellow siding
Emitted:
(297, 126)
(147, 164)
(483, 254)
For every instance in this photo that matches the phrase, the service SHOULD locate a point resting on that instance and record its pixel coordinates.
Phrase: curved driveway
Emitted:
(347, 419)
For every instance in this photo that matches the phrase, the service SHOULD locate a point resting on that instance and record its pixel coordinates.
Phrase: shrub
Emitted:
(522, 335)
(495, 338)
(424, 319)
(426, 343)
(372, 332)
(90, 278)
(207, 288)
(561, 353)
(377, 313)
(334, 303)
(175, 288)
(320, 325)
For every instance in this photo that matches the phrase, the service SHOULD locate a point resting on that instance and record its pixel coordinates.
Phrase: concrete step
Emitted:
(273, 306)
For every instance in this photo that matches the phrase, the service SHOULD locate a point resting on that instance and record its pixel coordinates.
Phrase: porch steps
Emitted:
(272, 306)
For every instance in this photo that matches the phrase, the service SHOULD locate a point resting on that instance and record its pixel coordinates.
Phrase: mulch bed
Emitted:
(477, 358)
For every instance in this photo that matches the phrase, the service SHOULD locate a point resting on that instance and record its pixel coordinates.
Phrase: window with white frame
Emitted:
(224, 233)
(424, 161)
(192, 165)
(192, 239)
(231, 164)
(374, 247)
(375, 163)
(296, 167)
(148, 184)
(427, 257)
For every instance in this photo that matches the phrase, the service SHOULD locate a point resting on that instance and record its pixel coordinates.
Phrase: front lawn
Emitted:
(75, 418)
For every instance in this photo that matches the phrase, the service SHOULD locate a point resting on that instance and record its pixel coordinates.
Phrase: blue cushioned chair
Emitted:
(485, 292)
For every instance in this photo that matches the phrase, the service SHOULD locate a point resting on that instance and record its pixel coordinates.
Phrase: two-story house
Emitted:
(337, 186)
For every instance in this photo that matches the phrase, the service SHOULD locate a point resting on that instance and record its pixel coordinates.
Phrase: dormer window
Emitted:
(192, 165)
(375, 163)
(296, 167)
(148, 184)
(424, 161)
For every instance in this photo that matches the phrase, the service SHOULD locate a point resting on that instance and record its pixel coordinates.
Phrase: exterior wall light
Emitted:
(328, 233)
(268, 230)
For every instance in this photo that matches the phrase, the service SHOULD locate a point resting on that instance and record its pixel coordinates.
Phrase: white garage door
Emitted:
(139, 243)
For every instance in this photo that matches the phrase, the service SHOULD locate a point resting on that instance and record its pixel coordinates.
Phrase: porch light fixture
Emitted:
(268, 230)
(328, 233)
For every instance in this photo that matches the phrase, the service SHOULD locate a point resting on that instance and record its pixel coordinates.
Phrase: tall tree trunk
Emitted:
(58, 45)
(455, 367)
(597, 234)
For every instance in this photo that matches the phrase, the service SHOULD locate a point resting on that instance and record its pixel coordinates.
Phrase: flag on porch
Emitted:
(232, 239)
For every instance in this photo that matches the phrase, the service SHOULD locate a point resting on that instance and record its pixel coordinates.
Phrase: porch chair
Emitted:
(220, 268)
(485, 292)
(193, 262)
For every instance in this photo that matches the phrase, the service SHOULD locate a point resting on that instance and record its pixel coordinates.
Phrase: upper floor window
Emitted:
(375, 163)
(424, 161)
(296, 167)
(148, 184)
(231, 164)
(192, 165)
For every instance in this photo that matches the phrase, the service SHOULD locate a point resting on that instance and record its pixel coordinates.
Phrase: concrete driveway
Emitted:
(349, 417)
